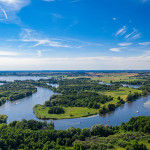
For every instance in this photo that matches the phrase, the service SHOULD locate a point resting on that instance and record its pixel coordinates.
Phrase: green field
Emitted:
(106, 78)
(41, 112)
(122, 92)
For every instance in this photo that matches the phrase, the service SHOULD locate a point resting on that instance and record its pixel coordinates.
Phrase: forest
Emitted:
(133, 135)
(15, 90)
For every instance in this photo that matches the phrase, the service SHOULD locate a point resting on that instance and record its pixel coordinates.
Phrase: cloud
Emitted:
(14, 5)
(124, 44)
(8, 53)
(77, 63)
(5, 13)
(137, 36)
(114, 19)
(39, 53)
(144, 43)
(34, 39)
(145, 1)
(31, 36)
(115, 49)
(11, 7)
(49, 0)
(57, 16)
(133, 35)
(121, 31)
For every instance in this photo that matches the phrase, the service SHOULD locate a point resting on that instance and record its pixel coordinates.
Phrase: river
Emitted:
(23, 109)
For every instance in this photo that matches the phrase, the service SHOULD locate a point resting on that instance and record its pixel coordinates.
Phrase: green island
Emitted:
(15, 90)
(133, 135)
(41, 112)
(83, 96)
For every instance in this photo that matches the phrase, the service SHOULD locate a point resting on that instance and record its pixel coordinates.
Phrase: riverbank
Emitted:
(3, 118)
(16, 90)
(41, 112)
(23, 109)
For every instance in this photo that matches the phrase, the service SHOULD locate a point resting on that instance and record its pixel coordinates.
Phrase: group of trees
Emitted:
(137, 146)
(80, 99)
(141, 124)
(15, 90)
(3, 118)
(42, 135)
(56, 110)
(68, 86)
(104, 109)
(132, 82)
(133, 96)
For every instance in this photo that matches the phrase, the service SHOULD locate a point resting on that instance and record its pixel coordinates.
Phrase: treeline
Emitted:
(145, 89)
(15, 90)
(43, 83)
(80, 99)
(43, 73)
(133, 82)
(133, 96)
(41, 135)
(3, 118)
(141, 124)
(111, 107)
(80, 92)
(81, 84)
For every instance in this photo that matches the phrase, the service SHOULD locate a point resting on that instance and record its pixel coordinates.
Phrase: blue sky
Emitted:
(74, 34)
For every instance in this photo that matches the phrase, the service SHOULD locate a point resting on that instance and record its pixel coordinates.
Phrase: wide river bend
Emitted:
(23, 109)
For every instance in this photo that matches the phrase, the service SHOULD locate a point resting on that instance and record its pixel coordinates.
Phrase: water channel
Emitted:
(23, 109)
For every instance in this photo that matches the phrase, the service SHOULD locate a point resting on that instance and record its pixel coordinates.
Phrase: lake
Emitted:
(23, 109)
(13, 78)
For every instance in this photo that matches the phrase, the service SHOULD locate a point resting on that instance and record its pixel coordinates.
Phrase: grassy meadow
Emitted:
(70, 112)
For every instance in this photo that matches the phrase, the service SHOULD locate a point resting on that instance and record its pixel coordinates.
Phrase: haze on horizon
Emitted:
(74, 35)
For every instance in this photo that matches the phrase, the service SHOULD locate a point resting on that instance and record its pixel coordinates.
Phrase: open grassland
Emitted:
(107, 78)
(115, 78)
(122, 92)
(70, 112)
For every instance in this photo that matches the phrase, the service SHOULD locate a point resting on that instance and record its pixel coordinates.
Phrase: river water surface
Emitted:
(23, 109)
